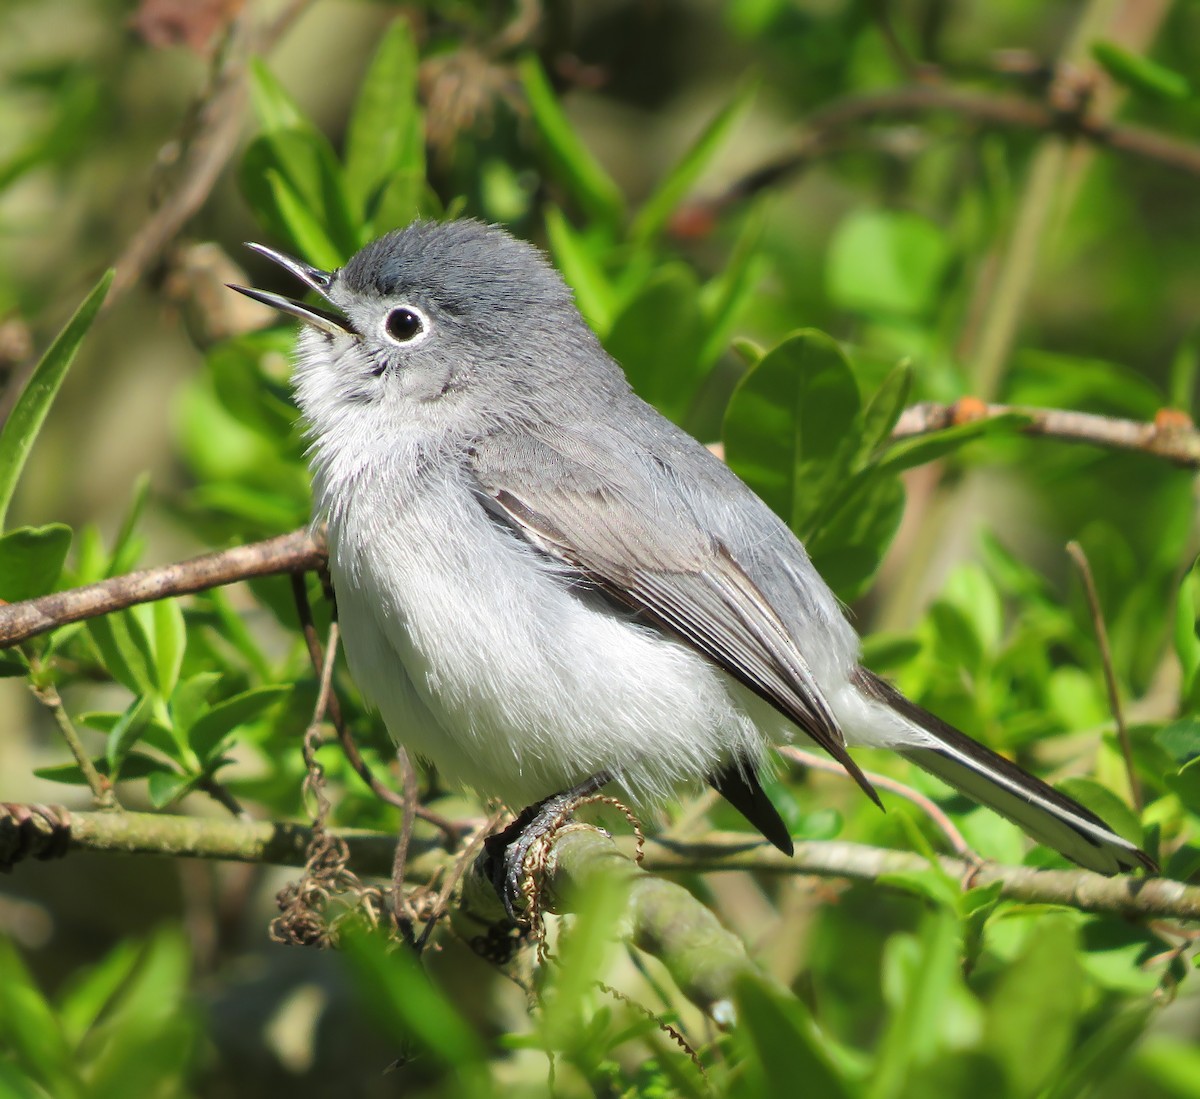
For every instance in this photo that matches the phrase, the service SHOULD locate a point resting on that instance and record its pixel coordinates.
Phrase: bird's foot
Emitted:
(508, 851)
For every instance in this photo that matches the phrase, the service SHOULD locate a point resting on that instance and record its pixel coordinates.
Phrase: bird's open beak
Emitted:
(324, 319)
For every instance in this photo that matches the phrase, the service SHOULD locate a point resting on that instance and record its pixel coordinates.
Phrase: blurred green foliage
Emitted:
(849, 289)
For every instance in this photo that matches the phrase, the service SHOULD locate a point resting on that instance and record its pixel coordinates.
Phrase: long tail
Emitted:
(1048, 816)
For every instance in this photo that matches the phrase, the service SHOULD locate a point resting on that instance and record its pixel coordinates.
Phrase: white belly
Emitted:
(481, 658)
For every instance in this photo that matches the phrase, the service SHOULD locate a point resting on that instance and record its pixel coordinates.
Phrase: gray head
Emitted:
(440, 327)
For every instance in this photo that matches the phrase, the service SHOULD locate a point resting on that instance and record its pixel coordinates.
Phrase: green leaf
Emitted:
(31, 560)
(135, 765)
(165, 787)
(287, 210)
(12, 664)
(124, 650)
(887, 262)
(1106, 805)
(1032, 1016)
(725, 297)
(1181, 739)
(127, 546)
(885, 406)
(784, 1047)
(585, 179)
(1094, 1063)
(682, 178)
(126, 733)
(29, 412)
(273, 107)
(210, 729)
(88, 993)
(923, 449)
(385, 144)
(30, 1033)
(848, 540)
(1187, 640)
(170, 641)
(1140, 74)
(658, 337)
(573, 256)
(790, 425)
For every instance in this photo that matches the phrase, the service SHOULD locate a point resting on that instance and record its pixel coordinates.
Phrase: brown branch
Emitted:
(295, 552)
(29, 831)
(1171, 435)
(826, 132)
(210, 138)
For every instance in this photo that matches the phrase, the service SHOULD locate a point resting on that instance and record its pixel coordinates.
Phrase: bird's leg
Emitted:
(508, 850)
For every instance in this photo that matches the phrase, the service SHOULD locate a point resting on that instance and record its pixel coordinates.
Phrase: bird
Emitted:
(544, 585)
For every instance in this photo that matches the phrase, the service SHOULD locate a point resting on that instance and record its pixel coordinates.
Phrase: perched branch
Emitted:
(31, 831)
(1081, 889)
(295, 552)
(1172, 435)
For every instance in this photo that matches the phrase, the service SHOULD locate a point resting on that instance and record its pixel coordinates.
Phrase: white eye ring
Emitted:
(405, 326)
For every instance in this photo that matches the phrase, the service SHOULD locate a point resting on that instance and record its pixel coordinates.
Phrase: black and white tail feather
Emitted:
(1045, 814)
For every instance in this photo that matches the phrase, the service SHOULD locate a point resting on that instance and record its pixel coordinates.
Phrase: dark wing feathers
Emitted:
(655, 561)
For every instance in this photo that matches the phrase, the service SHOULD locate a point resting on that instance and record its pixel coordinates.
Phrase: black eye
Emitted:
(404, 324)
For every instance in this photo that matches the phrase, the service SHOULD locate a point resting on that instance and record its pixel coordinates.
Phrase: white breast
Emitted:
(482, 657)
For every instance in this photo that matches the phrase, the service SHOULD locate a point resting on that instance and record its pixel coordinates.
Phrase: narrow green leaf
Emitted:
(30, 1033)
(273, 107)
(124, 650)
(385, 140)
(307, 233)
(31, 560)
(136, 765)
(126, 733)
(929, 448)
(786, 1053)
(210, 729)
(885, 406)
(792, 423)
(594, 294)
(1140, 74)
(170, 641)
(725, 297)
(586, 180)
(29, 412)
(682, 178)
(1106, 805)
(126, 546)
(165, 787)
(89, 992)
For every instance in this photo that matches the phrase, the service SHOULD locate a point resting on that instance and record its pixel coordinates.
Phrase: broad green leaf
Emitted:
(585, 179)
(657, 338)
(29, 412)
(790, 424)
(1032, 1017)
(786, 1054)
(211, 728)
(31, 559)
(848, 541)
(385, 141)
(165, 787)
(887, 262)
(682, 178)
(594, 294)
(927, 967)
(1140, 74)
(1181, 739)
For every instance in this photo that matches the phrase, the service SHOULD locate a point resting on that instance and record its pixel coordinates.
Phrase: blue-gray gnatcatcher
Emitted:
(540, 579)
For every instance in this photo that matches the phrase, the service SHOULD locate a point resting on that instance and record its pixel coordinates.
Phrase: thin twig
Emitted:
(1171, 435)
(103, 795)
(829, 129)
(1110, 676)
(211, 138)
(409, 801)
(927, 806)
